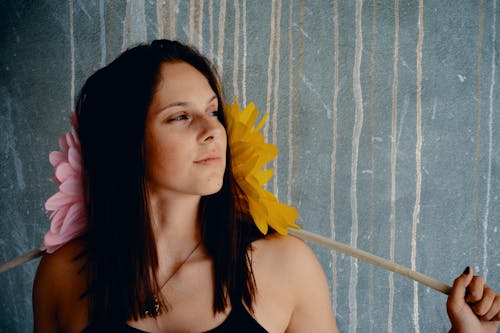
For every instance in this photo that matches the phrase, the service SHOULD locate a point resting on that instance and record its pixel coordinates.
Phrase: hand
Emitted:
(473, 307)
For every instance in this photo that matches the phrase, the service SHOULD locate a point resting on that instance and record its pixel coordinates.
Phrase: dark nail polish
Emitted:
(467, 270)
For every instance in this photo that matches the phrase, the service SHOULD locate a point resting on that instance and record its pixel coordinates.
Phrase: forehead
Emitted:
(180, 82)
(181, 77)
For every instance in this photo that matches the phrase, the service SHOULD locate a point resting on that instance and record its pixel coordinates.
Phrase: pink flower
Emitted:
(68, 219)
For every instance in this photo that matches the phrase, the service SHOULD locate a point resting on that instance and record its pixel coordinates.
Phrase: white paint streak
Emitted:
(270, 60)
(244, 65)
(418, 159)
(296, 131)
(82, 6)
(211, 28)
(394, 131)
(434, 108)
(274, 118)
(12, 287)
(18, 166)
(195, 25)
(477, 156)
(220, 41)
(290, 104)
(236, 47)
(490, 143)
(404, 112)
(372, 160)
(298, 75)
(333, 157)
(102, 36)
(191, 21)
(134, 28)
(173, 12)
(319, 98)
(199, 28)
(72, 52)
(160, 26)
(8, 132)
(358, 124)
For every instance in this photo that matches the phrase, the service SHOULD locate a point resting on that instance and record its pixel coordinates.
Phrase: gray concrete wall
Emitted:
(385, 113)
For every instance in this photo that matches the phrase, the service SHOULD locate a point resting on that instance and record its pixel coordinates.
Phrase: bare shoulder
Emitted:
(62, 267)
(276, 243)
(287, 268)
(59, 283)
(65, 256)
(290, 253)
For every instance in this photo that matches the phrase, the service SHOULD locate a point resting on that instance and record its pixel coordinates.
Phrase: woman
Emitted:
(170, 245)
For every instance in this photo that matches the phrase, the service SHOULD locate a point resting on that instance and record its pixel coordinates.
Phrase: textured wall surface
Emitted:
(384, 113)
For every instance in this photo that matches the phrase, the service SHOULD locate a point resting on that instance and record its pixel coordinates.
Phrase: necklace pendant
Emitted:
(153, 310)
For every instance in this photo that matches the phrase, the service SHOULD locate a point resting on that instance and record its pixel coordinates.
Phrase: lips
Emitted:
(208, 159)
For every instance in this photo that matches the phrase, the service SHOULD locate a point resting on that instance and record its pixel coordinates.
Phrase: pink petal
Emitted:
(72, 221)
(57, 218)
(64, 171)
(57, 200)
(55, 180)
(71, 140)
(71, 186)
(75, 159)
(75, 136)
(51, 242)
(56, 224)
(56, 157)
(51, 249)
(68, 219)
(81, 207)
(63, 144)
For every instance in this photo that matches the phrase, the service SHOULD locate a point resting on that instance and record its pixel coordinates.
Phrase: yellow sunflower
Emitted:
(250, 153)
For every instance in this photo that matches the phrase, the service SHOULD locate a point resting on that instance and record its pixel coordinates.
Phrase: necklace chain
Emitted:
(154, 309)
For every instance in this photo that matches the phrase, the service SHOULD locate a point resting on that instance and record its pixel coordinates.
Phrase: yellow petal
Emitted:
(250, 154)
(264, 176)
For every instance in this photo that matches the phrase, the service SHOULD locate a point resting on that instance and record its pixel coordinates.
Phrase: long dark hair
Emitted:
(121, 251)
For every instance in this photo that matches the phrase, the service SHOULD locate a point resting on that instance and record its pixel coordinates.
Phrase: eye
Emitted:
(179, 117)
(214, 113)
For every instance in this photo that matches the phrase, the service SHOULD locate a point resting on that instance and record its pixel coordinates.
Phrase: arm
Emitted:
(44, 304)
(312, 310)
(473, 307)
(59, 284)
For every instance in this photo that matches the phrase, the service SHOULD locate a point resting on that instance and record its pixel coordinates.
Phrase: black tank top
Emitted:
(239, 320)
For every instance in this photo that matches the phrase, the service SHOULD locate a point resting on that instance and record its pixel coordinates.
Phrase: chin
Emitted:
(213, 188)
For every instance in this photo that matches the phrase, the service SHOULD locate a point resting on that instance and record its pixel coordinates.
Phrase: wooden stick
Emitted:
(372, 259)
(312, 237)
(21, 259)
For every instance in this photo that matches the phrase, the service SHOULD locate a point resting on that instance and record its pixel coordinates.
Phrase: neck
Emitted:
(175, 226)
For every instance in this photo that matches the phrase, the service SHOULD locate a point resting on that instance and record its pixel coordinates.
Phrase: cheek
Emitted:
(224, 139)
(160, 155)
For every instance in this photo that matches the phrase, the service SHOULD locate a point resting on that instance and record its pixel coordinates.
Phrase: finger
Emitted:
(456, 300)
(494, 311)
(475, 290)
(482, 307)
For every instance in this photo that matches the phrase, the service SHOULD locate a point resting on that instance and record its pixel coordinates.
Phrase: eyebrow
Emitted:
(182, 103)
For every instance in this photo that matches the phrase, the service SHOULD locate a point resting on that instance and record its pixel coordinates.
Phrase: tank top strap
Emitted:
(239, 320)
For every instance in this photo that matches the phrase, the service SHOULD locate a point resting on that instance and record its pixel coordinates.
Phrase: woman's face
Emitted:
(185, 143)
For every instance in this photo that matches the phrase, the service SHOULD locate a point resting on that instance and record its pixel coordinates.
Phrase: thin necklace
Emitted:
(154, 309)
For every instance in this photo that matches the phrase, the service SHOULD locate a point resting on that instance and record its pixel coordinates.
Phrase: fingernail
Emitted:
(467, 270)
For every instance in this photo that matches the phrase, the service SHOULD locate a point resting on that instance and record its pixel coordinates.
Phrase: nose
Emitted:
(210, 129)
